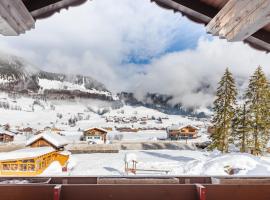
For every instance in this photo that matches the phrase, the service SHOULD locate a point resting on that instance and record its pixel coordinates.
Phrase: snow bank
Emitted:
(54, 169)
(245, 164)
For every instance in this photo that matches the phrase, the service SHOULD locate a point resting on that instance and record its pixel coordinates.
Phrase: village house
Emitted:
(26, 130)
(126, 129)
(182, 132)
(95, 135)
(47, 139)
(6, 135)
(30, 161)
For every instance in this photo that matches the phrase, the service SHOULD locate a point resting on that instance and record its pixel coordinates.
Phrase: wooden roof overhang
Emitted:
(235, 20)
(212, 12)
(46, 8)
(19, 16)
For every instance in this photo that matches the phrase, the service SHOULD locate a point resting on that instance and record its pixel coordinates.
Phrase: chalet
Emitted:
(182, 132)
(30, 161)
(6, 136)
(95, 135)
(126, 129)
(27, 130)
(47, 139)
(57, 130)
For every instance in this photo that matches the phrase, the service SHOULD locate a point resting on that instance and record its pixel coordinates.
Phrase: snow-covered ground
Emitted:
(64, 85)
(24, 112)
(177, 162)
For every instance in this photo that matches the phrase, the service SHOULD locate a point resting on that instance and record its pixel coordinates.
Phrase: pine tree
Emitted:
(241, 128)
(224, 111)
(258, 107)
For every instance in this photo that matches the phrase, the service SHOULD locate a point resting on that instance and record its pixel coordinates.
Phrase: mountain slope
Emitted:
(19, 76)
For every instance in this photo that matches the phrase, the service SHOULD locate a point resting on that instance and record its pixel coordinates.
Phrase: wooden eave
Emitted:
(203, 11)
(19, 16)
(46, 8)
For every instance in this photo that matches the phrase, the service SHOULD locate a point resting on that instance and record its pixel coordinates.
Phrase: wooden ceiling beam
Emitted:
(50, 9)
(192, 8)
(239, 19)
(32, 5)
(195, 9)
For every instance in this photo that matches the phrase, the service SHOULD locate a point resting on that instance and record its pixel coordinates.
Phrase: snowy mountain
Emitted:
(162, 103)
(17, 75)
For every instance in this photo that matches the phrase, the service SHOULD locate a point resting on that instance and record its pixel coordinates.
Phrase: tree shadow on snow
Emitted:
(169, 157)
(110, 169)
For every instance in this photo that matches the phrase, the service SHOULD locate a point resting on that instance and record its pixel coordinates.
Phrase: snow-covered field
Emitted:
(177, 162)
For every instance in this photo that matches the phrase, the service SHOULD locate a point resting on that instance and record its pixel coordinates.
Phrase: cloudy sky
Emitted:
(135, 46)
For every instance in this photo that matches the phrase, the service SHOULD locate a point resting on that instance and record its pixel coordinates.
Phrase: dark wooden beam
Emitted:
(32, 5)
(199, 7)
(193, 9)
(46, 10)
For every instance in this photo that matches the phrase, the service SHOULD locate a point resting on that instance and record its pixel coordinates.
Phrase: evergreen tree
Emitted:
(258, 107)
(224, 111)
(241, 128)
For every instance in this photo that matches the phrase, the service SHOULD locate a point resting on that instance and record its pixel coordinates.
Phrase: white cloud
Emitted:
(182, 73)
(99, 37)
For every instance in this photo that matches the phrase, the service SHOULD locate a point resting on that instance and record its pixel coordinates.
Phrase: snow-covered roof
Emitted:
(178, 127)
(53, 138)
(2, 130)
(101, 129)
(25, 153)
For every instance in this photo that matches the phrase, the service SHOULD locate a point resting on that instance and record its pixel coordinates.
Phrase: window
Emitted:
(23, 167)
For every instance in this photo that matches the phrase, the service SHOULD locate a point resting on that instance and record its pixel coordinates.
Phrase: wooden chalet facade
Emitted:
(47, 139)
(30, 161)
(95, 135)
(182, 132)
(6, 136)
(26, 130)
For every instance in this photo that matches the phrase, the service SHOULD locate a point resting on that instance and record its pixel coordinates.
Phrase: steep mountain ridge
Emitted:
(16, 75)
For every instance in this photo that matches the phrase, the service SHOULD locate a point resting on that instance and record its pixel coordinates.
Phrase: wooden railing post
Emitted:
(57, 192)
(201, 191)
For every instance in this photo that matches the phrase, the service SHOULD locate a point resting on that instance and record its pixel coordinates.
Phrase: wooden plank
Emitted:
(5, 28)
(137, 181)
(129, 192)
(255, 21)
(239, 19)
(201, 192)
(220, 19)
(19, 13)
(241, 181)
(15, 18)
